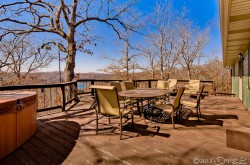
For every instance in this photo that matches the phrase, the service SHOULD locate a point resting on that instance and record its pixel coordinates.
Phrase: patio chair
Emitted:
(163, 84)
(195, 104)
(172, 84)
(108, 105)
(175, 107)
(118, 86)
(193, 87)
(129, 85)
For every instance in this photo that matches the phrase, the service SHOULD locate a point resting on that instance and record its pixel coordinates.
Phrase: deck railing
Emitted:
(139, 84)
(50, 96)
(54, 96)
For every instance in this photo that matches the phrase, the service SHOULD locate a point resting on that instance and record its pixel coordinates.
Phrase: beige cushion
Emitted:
(193, 87)
(172, 83)
(118, 86)
(162, 84)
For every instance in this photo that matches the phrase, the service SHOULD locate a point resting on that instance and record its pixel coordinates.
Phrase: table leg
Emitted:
(138, 107)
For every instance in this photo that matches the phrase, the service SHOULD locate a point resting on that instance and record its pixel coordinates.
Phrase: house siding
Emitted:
(235, 83)
(235, 80)
(245, 79)
(246, 92)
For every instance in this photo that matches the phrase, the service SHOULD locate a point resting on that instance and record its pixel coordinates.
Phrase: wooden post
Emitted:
(63, 97)
(135, 83)
(214, 88)
(92, 89)
(149, 83)
(75, 92)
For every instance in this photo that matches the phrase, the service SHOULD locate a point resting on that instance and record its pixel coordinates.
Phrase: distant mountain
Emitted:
(96, 76)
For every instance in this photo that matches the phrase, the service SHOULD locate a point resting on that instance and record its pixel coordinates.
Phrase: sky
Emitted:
(202, 12)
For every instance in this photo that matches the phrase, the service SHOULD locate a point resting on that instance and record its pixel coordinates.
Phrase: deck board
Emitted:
(69, 138)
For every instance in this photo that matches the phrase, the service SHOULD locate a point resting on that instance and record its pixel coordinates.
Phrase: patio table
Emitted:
(142, 94)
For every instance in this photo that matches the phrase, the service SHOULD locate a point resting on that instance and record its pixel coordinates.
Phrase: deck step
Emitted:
(239, 139)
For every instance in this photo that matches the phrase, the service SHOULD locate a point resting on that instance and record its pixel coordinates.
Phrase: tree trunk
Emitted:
(19, 78)
(70, 62)
(189, 73)
(162, 58)
(126, 57)
(69, 69)
(153, 75)
(161, 63)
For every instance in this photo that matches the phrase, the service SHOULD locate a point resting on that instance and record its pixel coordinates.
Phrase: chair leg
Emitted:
(138, 107)
(120, 127)
(197, 112)
(172, 116)
(109, 121)
(96, 130)
(179, 114)
(133, 125)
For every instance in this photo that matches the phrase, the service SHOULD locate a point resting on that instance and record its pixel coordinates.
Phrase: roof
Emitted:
(235, 28)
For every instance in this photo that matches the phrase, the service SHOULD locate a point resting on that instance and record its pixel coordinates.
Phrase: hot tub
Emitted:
(18, 112)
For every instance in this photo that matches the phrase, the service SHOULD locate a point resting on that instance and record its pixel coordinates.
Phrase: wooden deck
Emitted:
(69, 138)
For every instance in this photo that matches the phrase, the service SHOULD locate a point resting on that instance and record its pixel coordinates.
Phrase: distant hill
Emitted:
(96, 76)
(54, 77)
(7, 79)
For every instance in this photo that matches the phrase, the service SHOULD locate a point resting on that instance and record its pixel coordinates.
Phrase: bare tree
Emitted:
(149, 53)
(22, 56)
(214, 70)
(120, 66)
(69, 21)
(165, 22)
(129, 54)
(190, 45)
(4, 56)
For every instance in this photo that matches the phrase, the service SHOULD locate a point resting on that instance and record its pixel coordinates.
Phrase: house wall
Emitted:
(235, 80)
(245, 78)
(246, 91)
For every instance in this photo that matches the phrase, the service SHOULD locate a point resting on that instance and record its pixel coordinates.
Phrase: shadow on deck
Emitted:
(69, 138)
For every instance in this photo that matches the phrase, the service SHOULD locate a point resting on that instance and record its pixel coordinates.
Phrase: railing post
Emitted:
(75, 91)
(135, 83)
(75, 84)
(214, 88)
(92, 89)
(149, 83)
(63, 97)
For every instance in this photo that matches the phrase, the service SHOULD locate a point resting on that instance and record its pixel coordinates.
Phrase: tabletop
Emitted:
(144, 93)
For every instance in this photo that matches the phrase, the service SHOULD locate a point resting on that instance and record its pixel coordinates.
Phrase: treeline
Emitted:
(173, 47)
(170, 44)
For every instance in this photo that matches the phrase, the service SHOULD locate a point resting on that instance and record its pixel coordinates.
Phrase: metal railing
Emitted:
(210, 88)
(53, 96)
(50, 96)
